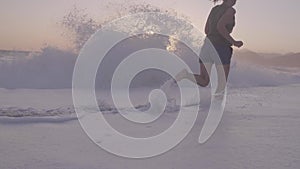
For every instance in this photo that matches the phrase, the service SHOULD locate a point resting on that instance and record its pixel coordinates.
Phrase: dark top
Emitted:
(215, 15)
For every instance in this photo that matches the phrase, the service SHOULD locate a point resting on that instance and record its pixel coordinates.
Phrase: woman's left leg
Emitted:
(201, 79)
(223, 72)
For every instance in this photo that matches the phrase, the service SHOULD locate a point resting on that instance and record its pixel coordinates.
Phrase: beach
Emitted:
(259, 129)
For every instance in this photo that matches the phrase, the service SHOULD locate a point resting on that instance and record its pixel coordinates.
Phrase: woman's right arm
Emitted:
(228, 18)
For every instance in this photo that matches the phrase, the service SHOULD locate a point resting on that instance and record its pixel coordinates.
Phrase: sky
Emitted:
(264, 26)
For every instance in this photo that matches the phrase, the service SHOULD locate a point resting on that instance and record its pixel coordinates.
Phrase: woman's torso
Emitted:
(215, 15)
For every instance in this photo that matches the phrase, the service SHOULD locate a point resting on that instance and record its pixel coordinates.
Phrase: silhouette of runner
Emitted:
(218, 42)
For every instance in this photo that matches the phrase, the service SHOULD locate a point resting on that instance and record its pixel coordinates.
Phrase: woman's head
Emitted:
(228, 2)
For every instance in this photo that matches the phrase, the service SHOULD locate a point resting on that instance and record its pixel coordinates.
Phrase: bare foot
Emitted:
(181, 75)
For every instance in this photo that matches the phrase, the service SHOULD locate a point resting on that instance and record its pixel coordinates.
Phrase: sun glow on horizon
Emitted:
(34, 24)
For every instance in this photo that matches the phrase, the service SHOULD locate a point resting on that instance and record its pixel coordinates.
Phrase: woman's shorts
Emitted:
(217, 54)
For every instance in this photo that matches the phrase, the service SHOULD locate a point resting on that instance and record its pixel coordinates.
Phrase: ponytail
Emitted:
(215, 1)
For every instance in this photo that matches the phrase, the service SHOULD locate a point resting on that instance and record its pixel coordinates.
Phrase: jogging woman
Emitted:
(218, 42)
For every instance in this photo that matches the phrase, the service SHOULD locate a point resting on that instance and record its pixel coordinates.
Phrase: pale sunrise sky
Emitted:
(264, 26)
